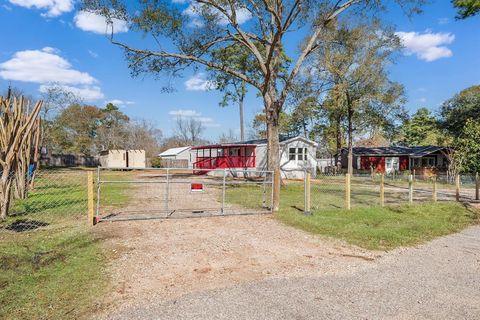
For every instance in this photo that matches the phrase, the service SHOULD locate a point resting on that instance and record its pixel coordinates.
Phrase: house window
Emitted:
(291, 154)
(428, 162)
(299, 154)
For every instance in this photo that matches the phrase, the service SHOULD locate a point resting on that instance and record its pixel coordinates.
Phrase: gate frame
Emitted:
(264, 184)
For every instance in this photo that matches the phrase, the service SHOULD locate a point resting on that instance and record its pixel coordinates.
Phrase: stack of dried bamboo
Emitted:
(20, 132)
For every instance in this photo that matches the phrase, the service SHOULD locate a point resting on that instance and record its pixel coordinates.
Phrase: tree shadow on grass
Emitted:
(23, 225)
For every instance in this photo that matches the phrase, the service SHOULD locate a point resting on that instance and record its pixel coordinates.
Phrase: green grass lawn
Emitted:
(55, 271)
(367, 225)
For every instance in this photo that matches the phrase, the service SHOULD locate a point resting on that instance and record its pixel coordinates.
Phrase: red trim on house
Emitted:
(245, 157)
(378, 163)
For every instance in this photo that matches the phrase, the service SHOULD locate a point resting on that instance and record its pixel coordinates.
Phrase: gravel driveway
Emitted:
(439, 280)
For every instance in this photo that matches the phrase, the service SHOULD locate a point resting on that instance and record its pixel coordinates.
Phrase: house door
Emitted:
(392, 164)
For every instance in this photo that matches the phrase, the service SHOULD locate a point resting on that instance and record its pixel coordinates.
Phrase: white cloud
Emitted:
(92, 22)
(92, 53)
(443, 21)
(46, 66)
(54, 8)
(193, 10)
(86, 93)
(188, 113)
(120, 103)
(427, 46)
(198, 83)
(184, 113)
(42, 66)
(422, 100)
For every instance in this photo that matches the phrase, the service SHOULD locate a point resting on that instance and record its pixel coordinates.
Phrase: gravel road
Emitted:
(438, 280)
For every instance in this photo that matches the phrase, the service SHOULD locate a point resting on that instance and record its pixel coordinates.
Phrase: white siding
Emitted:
(290, 169)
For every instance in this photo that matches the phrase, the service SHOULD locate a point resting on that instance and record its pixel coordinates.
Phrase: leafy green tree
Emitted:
(466, 8)
(355, 62)
(259, 125)
(113, 128)
(422, 129)
(75, 130)
(455, 112)
(467, 147)
(260, 27)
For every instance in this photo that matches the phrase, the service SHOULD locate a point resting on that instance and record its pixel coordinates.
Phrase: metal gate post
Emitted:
(223, 190)
(167, 193)
(97, 211)
(264, 185)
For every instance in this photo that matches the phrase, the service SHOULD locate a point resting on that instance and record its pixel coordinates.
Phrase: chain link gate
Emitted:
(133, 194)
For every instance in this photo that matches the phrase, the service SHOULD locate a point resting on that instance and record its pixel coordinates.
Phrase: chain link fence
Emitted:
(52, 198)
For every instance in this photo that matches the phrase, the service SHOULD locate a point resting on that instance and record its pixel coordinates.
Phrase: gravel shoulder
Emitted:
(286, 274)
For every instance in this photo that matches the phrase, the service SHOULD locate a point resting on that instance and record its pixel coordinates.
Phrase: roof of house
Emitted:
(173, 151)
(416, 151)
(253, 143)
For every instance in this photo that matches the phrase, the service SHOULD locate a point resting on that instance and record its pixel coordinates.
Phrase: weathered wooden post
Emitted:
(477, 187)
(372, 173)
(457, 187)
(410, 189)
(382, 190)
(414, 176)
(347, 191)
(90, 198)
(434, 189)
(307, 204)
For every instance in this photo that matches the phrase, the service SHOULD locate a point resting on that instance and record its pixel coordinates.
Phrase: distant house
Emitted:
(176, 158)
(296, 154)
(123, 159)
(424, 159)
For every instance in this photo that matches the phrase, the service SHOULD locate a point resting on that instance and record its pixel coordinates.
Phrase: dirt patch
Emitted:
(164, 259)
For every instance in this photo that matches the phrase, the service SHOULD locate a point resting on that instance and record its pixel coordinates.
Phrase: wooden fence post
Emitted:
(307, 194)
(410, 189)
(477, 187)
(457, 187)
(434, 189)
(90, 197)
(382, 190)
(347, 191)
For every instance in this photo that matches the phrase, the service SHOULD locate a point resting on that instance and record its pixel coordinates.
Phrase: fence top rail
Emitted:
(237, 170)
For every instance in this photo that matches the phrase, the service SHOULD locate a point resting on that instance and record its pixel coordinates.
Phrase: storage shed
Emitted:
(176, 158)
(123, 159)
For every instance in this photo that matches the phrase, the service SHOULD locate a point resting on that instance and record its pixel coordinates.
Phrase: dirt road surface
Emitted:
(253, 267)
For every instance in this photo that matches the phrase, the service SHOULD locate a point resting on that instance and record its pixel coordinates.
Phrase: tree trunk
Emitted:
(5, 189)
(338, 142)
(273, 145)
(242, 124)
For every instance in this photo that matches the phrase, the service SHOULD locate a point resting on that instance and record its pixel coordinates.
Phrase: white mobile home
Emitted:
(296, 155)
(123, 159)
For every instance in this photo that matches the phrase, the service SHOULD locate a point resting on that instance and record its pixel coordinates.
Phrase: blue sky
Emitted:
(47, 40)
